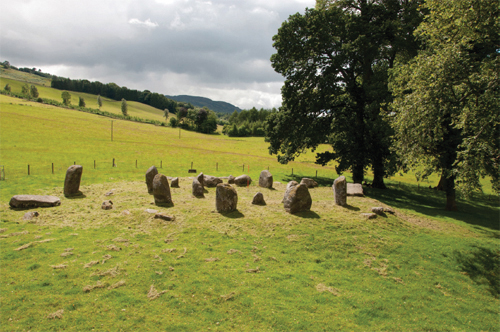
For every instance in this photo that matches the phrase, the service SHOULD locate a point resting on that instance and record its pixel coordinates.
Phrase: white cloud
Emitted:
(147, 23)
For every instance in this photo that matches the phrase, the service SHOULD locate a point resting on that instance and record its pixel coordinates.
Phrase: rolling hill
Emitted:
(216, 106)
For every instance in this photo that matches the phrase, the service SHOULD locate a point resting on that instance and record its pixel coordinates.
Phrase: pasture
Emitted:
(78, 267)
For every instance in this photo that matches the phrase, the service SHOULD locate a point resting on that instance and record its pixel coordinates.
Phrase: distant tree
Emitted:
(34, 92)
(165, 114)
(25, 90)
(81, 102)
(99, 101)
(7, 88)
(173, 122)
(66, 97)
(6, 64)
(124, 107)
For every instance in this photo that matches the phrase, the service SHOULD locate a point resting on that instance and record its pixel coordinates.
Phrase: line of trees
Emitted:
(115, 92)
(250, 122)
(392, 84)
(188, 117)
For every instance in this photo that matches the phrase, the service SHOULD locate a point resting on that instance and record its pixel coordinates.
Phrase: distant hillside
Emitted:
(216, 106)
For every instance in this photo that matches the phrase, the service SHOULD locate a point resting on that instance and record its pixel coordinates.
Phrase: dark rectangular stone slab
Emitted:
(33, 201)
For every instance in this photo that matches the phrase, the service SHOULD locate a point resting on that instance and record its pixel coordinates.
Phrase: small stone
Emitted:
(200, 179)
(310, 183)
(30, 215)
(389, 210)
(151, 211)
(378, 210)
(126, 212)
(258, 199)
(211, 181)
(230, 179)
(109, 193)
(33, 201)
(164, 217)
(174, 183)
(242, 180)
(107, 205)
(355, 189)
(369, 215)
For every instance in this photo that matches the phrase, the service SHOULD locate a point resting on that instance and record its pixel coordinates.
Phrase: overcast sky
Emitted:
(218, 49)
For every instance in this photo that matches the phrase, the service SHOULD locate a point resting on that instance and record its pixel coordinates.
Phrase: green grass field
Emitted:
(258, 268)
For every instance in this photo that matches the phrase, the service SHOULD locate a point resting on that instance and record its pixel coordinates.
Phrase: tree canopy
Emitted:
(447, 98)
(335, 62)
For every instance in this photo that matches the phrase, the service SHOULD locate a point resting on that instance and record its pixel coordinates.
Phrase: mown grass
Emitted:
(328, 269)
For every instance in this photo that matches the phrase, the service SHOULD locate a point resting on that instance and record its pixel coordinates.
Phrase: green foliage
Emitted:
(448, 97)
(250, 123)
(124, 107)
(99, 101)
(335, 64)
(34, 92)
(7, 88)
(81, 102)
(173, 122)
(66, 97)
(25, 90)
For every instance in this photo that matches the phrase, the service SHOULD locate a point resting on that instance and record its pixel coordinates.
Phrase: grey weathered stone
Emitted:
(174, 183)
(297, 198)
(150, 175)
(340, 191)
(230, 179)
(72, 180)
(151, 211)
(369, 215)
(258, 199)
(355, 189)
(211, 181)
(164, 217)
(226, 198)
(266, 179)
(201, 179)
(378, 210)
(33, 201)
(197, 188)
(161, 190)
(242, 180)
(30, 215)
(107, 205)
(389, 210)
(310, 183)
(289, 186)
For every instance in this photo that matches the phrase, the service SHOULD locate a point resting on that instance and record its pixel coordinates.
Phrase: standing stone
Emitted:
(211, 181)
(201, 179)
(242, 180)
(226, 198)
(72, 180)
(258, 199)
(197, 188)
(161, 190)
(289, 185)
(297, 198)
(174, 183)
(107, 205)
(310, 183)
(266, 179)
(340, 191)
(230, 179)
(150, 175)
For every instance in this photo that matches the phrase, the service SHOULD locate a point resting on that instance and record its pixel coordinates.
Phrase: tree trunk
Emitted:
(451, 204)
(358, 173)
(378, 173)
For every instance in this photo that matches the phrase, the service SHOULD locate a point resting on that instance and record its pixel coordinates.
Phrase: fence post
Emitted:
(161, 163)
(292, 171)
(28, 169)
(136, 163)
(217, 167)
(316, 174)
(113, 162)
(243, 168)
(52, 168)
(94, 164)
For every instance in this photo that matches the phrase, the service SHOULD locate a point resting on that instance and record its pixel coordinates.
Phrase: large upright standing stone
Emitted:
(197, 188)
(201, 179)
(297, 198)
(226, 198)
(310, 183)
(72, 180)
(340, 191)
(161, 190)
(150, 175)
(266, 179)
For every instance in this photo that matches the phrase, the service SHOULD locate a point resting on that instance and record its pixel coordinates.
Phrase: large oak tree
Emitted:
(335, 62)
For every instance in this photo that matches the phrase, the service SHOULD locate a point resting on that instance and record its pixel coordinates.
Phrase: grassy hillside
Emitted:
(78, 267)
(17, 79)
(217, 106)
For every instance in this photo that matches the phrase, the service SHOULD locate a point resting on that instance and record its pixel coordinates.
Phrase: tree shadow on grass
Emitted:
(233, 214)
(79, 195)
(479, 210)
(352, 208)
(482, 265)
(322, 181)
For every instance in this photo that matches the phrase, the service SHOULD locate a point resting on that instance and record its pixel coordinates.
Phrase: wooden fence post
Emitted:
(52, 168)
(28, 169)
